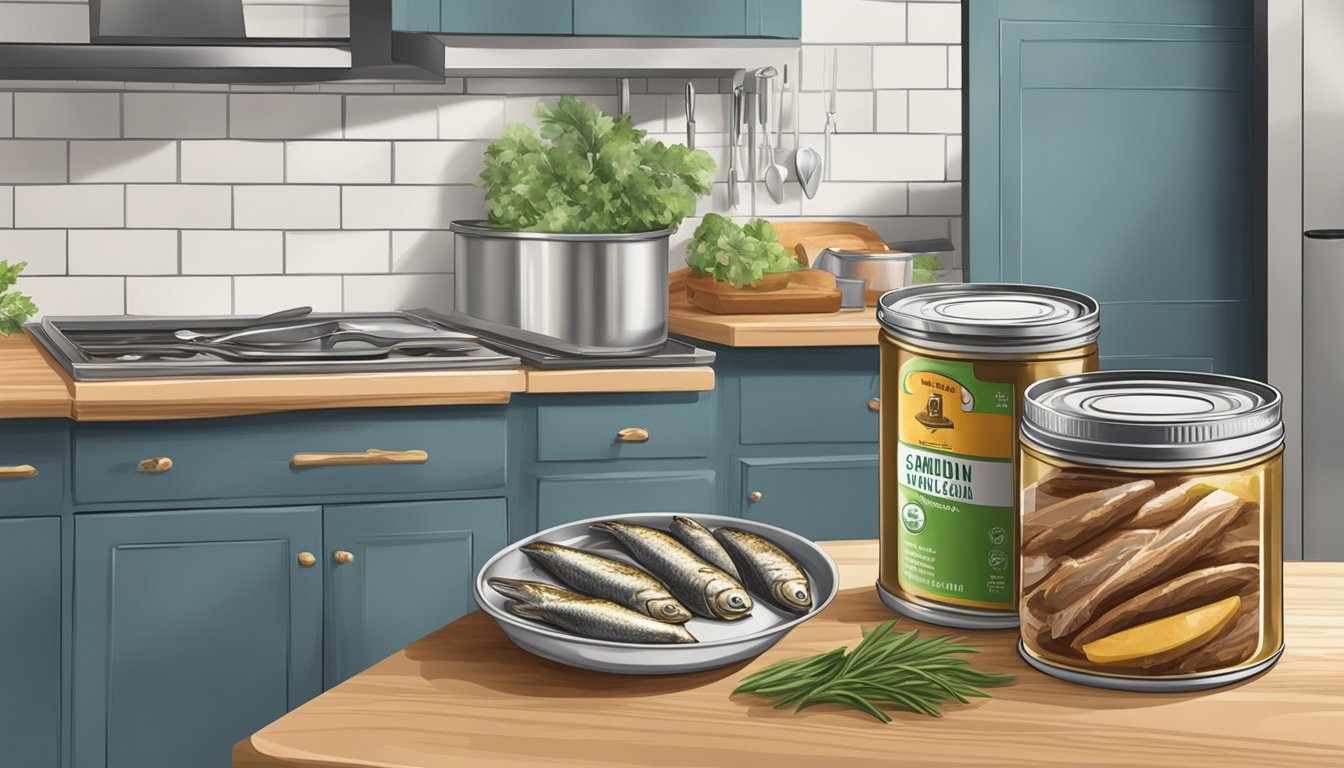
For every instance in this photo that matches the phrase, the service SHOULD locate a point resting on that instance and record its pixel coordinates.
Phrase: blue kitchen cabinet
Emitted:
(689, 18)
(1111, 151)
(675, 425)
(830, 497)
(566, 498)
(30, 641)
(507, 17)
(32, 466)
(396, 572)
(193, 630)
(415, 15)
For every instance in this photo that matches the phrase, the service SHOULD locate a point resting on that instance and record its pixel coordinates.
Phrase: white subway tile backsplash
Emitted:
(178, 206)
(232, 252)
(336, 252)
(933, 22)
(42, 22)
(893, 113)
(67, 115)
(262, 295)
(849, 198)
(439, 162)
(123, 252)
(935, 112)
(888, 157)
(372, 293)
(338, 162)
(42, 249)
(853, 21)
(178, 295)
(123, 161)
(233, 161)
(76, 295)
(255, 197)
(69, 206)
(6, 115)
(27, 162)
(421, 252)
(935, 199)
(287, 207)
(410, 207)
(176, 115)
(910, 66)
(284, 116)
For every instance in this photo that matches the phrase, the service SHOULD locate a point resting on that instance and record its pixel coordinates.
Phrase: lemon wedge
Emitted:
(1165, 638)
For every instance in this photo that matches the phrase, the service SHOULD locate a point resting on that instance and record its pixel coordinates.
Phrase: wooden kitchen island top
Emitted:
(464, 696)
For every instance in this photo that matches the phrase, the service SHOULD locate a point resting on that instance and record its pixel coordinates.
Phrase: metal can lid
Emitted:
(1152, 418)
(992, 316)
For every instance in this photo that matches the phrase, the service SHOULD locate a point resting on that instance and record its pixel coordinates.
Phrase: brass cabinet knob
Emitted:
(156, 465)
(875, 405)
(633, 435)
(18, 472)
(754, 496)
(371, 456)
(341, 556)
(307, 559)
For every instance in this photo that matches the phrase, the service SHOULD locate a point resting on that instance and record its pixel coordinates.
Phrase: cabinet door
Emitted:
(507, 17)
(415, 15)
(820, 498)
(409, 571)
(30, 642)
(566, 498)
(679, 18)
(195, 630)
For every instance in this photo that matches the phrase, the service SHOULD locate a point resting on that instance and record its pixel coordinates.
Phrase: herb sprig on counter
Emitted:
(886, 670)
(15, 307)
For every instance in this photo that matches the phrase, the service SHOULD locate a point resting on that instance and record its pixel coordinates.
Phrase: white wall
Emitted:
(174, 199)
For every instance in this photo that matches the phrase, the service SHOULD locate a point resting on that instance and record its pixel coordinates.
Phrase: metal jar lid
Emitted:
(991, 317)
(1152, 418)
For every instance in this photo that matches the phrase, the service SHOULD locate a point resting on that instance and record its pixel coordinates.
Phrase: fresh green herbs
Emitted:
(737, 255)
(924, 268)
(885, 670)
(15, 308)
(590, 173)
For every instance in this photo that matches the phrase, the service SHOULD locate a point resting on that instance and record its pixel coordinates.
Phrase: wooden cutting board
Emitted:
(806, 239)
(809, 291)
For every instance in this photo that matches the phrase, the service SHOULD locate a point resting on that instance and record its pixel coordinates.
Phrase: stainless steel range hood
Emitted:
(204, 41)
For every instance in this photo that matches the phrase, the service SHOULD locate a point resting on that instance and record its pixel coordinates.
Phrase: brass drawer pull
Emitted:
(371, 456)
(343, 557)
(307, 559)
(875, 405)
(155, 466)
(754, 496)
(633, 435)
(18, 472)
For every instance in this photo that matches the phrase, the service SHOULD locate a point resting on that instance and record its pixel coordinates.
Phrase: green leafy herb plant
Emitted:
(924, 268)
(736, 255)
(886, 670)
(590, 173)
(15, 308)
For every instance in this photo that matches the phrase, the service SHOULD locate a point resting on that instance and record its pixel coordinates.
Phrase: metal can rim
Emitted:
(1084, 434)
(1058, 334)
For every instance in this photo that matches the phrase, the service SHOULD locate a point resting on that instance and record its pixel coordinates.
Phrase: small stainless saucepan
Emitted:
(881, 271)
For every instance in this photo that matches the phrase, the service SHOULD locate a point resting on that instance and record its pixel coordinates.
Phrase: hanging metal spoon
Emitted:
(775, 174)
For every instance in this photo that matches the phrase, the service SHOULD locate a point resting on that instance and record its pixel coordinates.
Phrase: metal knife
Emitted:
(734, 138)
(690, 115)
(829, 164)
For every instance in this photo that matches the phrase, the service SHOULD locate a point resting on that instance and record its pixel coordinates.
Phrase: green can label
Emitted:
(955, 480)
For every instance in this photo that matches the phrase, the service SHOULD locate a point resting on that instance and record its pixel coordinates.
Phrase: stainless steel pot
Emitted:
(882, 271)
(606, 292)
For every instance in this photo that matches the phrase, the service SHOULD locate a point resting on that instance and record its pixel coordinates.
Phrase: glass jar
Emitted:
(1151, 529)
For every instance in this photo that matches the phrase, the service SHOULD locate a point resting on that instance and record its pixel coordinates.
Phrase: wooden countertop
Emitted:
(464, 696)
(846, 328)
(32, 385)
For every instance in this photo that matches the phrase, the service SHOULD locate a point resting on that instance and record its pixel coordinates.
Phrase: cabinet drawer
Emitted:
(566, 498)
(820, 498)
(32, 466)
(507, 17)
(251, 457)
(688, 18)
(781, 408)
(677, 426)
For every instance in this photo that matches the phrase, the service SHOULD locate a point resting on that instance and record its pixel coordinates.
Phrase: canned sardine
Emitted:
(955, 362)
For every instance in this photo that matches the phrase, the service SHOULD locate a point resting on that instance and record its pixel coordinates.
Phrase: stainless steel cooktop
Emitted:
(294, 341)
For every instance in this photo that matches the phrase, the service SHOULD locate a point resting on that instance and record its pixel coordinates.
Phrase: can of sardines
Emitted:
(955, 362)
(1151, 529)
